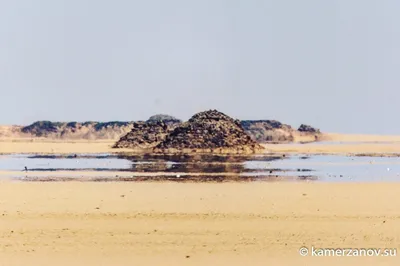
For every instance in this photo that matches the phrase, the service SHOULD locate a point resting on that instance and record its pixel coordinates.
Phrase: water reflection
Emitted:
(168, 167)
(205, 167)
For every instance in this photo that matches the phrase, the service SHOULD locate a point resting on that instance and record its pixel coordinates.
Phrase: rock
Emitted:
(42, 128)
(168, 119)
(145, 135)
(268, 130)
(308, 129)
(75, 130)
(262, 131)
(207, 131)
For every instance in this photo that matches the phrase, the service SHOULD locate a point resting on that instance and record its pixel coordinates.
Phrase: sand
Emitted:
(349, 144)
(360, 137)
(342, 149)
(258, 223)
(54, 147)
(344, 144)
(168, 223)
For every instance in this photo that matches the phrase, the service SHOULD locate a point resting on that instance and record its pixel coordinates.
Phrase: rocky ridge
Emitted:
(75, 130)
(262, 131)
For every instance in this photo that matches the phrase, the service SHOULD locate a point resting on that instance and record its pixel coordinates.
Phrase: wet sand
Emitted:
(89, 223)
(110, 176)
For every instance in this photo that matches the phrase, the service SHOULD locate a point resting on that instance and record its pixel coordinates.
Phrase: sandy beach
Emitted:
(89, 223)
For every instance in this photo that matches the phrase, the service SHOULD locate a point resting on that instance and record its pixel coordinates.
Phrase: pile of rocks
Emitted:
(210, 130)
(308, 129)
(268, 130)
(145, 135)
(168, 119)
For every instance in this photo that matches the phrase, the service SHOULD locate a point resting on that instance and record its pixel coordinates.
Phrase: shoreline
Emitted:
(95, 148)
(143, 177)
(330, 143)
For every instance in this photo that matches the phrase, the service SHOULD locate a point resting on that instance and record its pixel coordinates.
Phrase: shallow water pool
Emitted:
(324, 168)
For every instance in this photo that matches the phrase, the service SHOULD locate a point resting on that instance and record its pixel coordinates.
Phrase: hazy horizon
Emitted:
(331, 64)
(142, 119)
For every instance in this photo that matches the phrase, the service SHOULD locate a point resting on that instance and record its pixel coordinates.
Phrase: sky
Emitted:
(332, 64)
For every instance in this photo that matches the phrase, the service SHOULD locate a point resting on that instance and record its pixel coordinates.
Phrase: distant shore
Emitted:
(343, 144)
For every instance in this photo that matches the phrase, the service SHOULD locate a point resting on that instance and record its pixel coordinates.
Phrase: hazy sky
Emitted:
(332, 64)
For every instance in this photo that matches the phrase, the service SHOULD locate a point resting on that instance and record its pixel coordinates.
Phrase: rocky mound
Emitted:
(268, 130)
(168, 119)
(145, 134)
(210, 130)
(42, 128)
(308, 129)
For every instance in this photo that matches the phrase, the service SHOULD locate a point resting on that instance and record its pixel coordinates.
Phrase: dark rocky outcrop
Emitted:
(209, 130)
(156, 129)
(145, 134)
(308, 129)
(75, 130)
(268, 130)
(267, 124)
(42, 128)
(168, 119)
